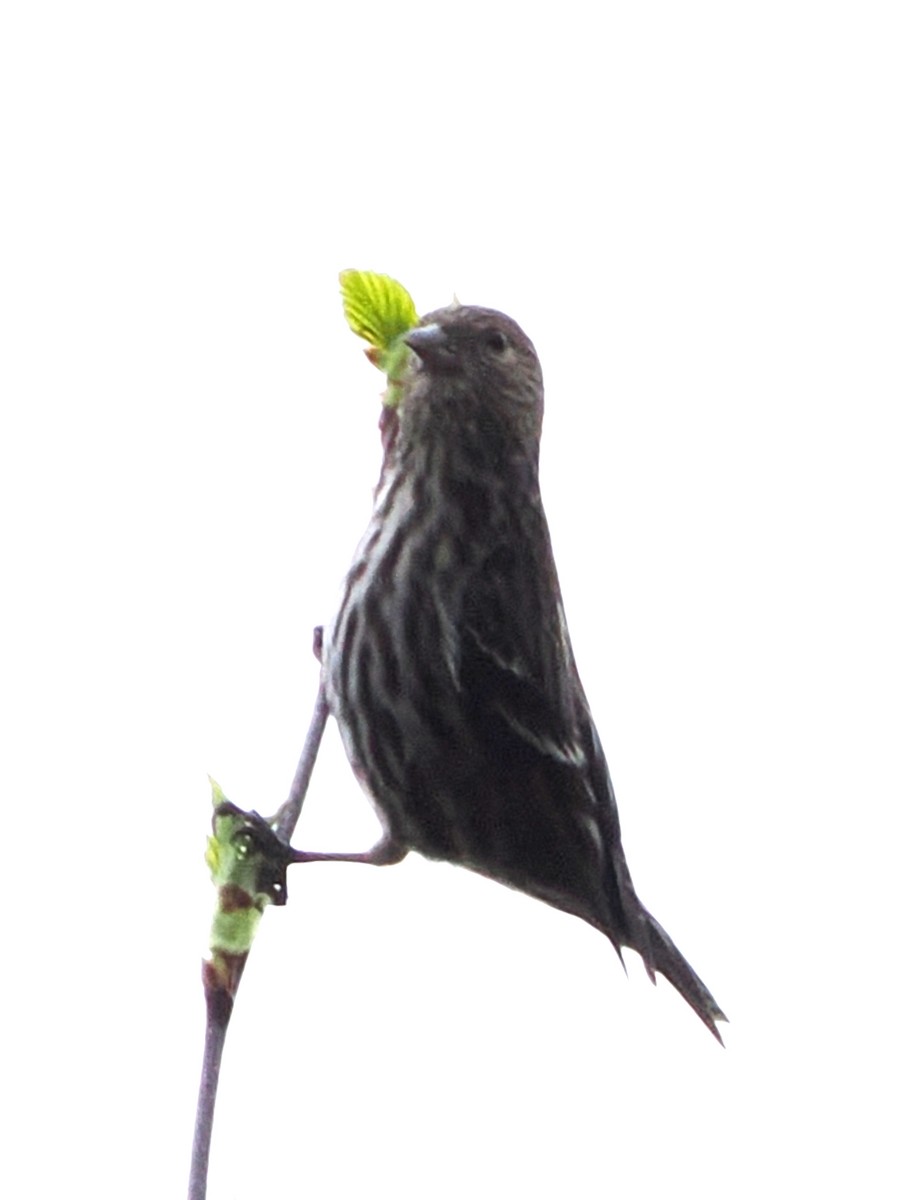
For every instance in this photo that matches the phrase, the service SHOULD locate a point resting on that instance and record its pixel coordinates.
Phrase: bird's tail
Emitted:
(661, 954)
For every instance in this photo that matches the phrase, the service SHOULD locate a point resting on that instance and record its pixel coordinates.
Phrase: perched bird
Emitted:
(449, 668)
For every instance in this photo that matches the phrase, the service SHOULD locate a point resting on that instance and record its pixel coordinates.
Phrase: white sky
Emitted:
(691, 208)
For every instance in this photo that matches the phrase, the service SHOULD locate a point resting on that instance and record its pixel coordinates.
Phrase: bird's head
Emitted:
(473, 370)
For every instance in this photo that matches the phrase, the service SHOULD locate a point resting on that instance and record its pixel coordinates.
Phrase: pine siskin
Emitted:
(449, 668)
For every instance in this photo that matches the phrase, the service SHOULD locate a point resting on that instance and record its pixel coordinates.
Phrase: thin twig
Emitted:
(218, 1012)
(221, 977)
(284, 822)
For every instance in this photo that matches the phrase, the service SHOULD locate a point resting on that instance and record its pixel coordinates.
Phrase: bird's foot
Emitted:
(386, 852)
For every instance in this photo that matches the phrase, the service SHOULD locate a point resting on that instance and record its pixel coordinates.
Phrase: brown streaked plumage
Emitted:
(448, 666)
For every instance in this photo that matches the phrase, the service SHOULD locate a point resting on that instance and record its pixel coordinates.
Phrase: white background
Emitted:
(692, 210)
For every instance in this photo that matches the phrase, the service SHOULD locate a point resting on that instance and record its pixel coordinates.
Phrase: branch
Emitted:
(248, 856)
(284, 822)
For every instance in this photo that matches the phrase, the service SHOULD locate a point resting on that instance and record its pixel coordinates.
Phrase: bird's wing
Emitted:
(514, 651)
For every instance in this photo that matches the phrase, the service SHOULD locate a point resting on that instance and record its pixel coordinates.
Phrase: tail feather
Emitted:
(665, 957)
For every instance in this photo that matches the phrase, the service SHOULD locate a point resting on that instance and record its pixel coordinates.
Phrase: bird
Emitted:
(448, 666)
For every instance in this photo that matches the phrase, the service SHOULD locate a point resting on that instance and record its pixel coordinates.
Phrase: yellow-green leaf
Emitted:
(377, 308)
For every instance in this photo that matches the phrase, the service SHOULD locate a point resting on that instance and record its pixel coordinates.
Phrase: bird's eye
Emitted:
(496, 341)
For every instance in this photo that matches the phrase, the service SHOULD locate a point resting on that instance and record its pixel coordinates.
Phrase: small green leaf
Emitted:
(377, 308)
(248, 864)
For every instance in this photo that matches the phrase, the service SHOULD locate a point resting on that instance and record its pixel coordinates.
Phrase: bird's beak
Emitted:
(429, 342)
